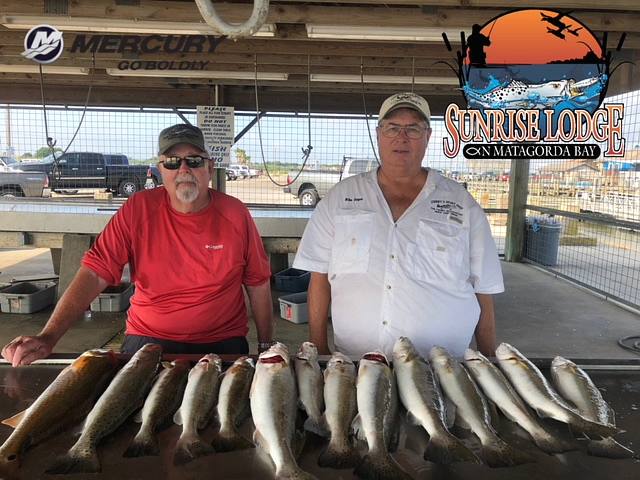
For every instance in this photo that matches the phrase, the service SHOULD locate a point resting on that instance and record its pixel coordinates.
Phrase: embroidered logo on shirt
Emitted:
(214, 247)
(349, 199)
(451, 209)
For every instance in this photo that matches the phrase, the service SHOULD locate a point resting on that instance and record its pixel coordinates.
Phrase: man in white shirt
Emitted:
(401, 251)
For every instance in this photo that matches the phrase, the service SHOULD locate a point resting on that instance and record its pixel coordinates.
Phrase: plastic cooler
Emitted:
(292, 280)
(27, 297)
(293, 307)
(113, 299)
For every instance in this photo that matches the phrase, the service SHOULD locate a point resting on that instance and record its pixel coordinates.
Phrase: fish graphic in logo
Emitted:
(43, 44)
(534, 59)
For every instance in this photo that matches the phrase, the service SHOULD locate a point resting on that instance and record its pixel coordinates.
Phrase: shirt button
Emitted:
(392, 256)
(388, 287)
(384, 322)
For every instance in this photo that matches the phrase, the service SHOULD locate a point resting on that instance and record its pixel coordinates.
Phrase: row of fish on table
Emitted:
(356, 409)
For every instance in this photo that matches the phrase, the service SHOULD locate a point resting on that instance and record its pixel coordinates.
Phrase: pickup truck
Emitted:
(312, 185)
(75, 170)
(14, 183)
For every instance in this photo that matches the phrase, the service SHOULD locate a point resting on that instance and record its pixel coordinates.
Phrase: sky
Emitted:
(133, 132)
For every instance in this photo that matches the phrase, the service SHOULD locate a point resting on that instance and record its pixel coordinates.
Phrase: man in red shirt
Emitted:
(190, 250)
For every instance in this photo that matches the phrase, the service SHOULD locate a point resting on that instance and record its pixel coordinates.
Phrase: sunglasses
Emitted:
(192, 161)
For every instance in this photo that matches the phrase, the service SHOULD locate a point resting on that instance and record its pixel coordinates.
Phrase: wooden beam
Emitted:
(518, 189)
(370, 15)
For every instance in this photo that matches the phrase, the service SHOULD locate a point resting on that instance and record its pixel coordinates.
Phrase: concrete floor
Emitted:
(541, 315)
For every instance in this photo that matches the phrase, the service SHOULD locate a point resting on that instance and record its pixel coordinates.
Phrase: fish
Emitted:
(273, 399)
(472, 407)
(374, 390)
(536, 391)
(310, 388)
(498, 389)
(542, 95)
(575, 385)
(341, 408)
(196, 409)
(233, 406)
(159, 407)
(64, 402)
(124, 395)
(421, 396)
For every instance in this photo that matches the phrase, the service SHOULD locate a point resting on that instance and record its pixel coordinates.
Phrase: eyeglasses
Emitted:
(192, 161)
(414, 132)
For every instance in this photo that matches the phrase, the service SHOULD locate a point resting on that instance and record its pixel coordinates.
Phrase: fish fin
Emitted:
(552, 444)
(244, 414)
(356, 428)
(166, 364)
(412, 419)
(339, 456)
(392, 438)
(138, 416)
(608, 448)
(498, 453)
(230, 441)
(14, 421)
(494, 417)
(449, 412)
(593, 429)
(297, 443)
(259, 441)
(445, 449)
(177, 417)
(189, 448)
(144, 444)
(77, 460)
(317, 426)
(460, 422)
(381, 466)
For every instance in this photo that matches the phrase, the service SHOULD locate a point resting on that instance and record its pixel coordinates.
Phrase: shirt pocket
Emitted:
(439, 253)
(352, 242)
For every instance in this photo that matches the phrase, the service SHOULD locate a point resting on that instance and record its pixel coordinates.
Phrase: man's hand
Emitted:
(24, 350)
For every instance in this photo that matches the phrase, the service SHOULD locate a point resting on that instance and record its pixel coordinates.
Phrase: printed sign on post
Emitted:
(217, 126)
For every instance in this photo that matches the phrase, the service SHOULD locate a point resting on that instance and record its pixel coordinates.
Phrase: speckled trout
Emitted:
(196, 409)
(575, 385)
(65, 401)
(159, 407)
(233, 406)
(310, 387)
(124, 395)
(273, 406)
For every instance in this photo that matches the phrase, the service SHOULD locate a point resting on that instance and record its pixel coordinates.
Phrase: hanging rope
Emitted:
(366, 116)
(305, 151)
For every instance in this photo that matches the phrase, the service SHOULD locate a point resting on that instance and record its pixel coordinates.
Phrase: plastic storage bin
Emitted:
(293, 307)
(27, 297)
(542, 240)
(292, 280)
(113, 298)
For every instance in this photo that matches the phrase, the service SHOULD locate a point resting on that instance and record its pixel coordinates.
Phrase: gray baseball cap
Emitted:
(405, 100)
(180, 133)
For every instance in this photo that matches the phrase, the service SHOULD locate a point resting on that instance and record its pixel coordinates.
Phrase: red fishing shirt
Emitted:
(188, 269)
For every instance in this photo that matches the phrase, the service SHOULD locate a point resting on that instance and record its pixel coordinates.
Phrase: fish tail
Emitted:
(190, 447)
(593, 429)
(83, 459)
(498, 453)
(550, 444)
(446, 449)
(608, 448)
(144, 444)
(339, 456)
(293, 472)
(380, 466)
(316, 426)
(229, 441)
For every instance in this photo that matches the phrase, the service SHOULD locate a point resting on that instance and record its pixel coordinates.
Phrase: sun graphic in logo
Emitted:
(534, 59)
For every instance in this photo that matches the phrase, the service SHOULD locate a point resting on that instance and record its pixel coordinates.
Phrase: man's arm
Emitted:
(262, 308)
(319, 296)
(85, 286)
(486, 329)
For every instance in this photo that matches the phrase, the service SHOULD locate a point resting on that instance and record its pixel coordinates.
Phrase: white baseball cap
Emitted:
(405, 100)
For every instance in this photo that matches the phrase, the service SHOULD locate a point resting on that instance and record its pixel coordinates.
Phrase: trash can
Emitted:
(542, 239)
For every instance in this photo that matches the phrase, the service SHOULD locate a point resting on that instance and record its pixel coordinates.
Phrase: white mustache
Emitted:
(186, 178)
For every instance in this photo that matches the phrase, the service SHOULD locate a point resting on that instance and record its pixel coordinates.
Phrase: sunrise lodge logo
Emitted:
(534, 81)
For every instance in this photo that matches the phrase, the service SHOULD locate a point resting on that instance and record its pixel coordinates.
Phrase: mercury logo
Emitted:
(43, 44)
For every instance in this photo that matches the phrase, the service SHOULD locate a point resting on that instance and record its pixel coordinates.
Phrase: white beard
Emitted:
(187, 188)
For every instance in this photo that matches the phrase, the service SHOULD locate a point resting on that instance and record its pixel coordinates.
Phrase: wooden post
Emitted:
(518, 189)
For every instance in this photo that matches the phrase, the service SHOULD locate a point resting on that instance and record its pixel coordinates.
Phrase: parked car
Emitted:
(75, 170)
(312, 185)
(231, 174)
(22, 184)
(9, 164)
(241, 171)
